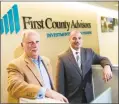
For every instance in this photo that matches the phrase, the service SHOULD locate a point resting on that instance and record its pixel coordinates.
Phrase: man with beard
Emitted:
(74, 72)
(30, 75)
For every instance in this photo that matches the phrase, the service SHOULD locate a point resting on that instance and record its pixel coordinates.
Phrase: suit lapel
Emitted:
(73, 61)
(33, 69)
(83, 58)
(49, 73)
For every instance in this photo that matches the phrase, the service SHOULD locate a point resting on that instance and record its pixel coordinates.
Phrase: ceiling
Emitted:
(110, 5)
(107, 4)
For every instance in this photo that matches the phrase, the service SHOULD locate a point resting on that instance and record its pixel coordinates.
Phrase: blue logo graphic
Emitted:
(10, 21)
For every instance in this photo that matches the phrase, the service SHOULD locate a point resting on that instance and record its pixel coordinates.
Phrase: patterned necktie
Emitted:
(78, 61)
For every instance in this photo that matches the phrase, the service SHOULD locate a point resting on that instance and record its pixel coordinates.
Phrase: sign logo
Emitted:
(10, 21)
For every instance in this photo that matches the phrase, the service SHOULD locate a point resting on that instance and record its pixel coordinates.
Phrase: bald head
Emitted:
(74, 32)
(30, 43)
(75, 39)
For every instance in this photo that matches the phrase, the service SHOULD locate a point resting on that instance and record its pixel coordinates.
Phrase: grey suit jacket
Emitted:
(69, 80)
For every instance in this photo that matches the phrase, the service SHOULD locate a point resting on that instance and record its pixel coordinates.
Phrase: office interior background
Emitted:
(102, 39)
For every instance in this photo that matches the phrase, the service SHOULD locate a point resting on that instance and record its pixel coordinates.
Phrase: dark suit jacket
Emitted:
(69, 81)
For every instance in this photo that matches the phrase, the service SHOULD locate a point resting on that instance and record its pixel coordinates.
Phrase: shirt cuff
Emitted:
(41, 93)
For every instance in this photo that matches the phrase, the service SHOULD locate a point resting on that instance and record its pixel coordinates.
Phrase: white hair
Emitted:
(27, 32)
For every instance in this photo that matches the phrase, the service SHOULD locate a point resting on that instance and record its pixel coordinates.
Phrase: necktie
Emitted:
(78, 59)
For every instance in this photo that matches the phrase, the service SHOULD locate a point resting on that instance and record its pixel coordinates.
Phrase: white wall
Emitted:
(108, 41)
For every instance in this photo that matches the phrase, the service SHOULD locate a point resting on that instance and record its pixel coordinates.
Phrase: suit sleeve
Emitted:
(17, 87)
(97, 59)
(60, 78)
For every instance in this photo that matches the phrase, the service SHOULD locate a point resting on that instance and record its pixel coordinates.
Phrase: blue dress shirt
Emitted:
(42, 70)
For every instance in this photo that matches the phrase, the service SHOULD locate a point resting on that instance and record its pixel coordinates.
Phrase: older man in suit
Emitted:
(30, 75)
(74, 73)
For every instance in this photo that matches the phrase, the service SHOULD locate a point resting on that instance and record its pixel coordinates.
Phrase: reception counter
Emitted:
(45, 100)
(99, 86)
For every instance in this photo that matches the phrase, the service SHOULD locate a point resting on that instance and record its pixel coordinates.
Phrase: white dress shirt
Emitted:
(75, 55)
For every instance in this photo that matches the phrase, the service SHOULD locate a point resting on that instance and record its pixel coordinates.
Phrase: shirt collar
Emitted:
(74, 51)
(36, 60)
